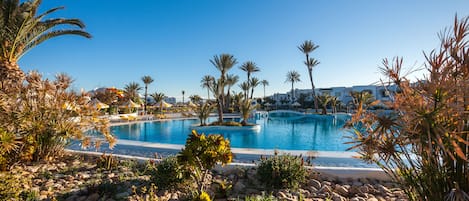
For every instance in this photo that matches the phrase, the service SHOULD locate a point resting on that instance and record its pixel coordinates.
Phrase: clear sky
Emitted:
(173, 40)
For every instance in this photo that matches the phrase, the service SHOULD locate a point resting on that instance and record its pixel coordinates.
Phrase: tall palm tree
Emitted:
(264, 83)
(292, 76)
(307, 47)
(183, 92)
(231, 80)
(131, 91)
(207, 82)
(22, 29)
(253, 83)
(147, 80)
(249, 67)
(223, 63)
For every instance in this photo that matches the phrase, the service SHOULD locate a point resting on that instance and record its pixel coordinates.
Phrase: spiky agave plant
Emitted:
(22, 29)
(423, 145)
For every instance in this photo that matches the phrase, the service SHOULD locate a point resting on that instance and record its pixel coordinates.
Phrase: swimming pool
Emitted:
(310, 133)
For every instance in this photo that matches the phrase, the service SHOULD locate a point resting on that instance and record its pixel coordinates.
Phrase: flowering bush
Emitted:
(202, 153)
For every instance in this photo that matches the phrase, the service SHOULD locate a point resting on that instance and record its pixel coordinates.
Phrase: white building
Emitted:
(342, 93)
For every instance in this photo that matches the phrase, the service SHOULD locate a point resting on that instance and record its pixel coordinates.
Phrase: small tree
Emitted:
(203, 112)
(202, 153)
(246, 107)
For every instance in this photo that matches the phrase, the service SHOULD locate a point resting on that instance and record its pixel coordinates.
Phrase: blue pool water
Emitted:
(305, 133)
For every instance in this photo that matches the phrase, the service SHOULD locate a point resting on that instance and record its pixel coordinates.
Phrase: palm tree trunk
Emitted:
(313, 88)
(10, 75)
(208, 93)
(252, 91)
(264, 94)
(145, 102)
(292, 93)
(228, 101)
(220, 111)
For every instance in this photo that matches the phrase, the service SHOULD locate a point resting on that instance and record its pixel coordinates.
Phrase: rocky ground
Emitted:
(77, 177)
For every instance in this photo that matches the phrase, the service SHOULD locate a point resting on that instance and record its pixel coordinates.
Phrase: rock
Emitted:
(315, 183)
(305, 193)
(282, 195)
(357, 199)
(325, 189)
(83, 176)
(337, 197)
(341, 190)
(363, 189)
(174, 196)
(311, 189)
(326, 183)
(239, 186)
(93, 197)
(400, 194)
(110, 175)
(383, 190)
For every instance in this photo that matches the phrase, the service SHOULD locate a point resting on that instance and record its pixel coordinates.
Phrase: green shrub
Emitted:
(281, 171)
(202, 153)
(168, 173)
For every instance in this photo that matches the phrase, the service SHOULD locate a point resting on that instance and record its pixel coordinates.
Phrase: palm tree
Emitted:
(195, 98)
(362, 99)
(203, 112)
(231, 80)
(223, 63)
(158, 97)
(183, 92)
(308, 47)
(293, 76)
(215, 87)
(131, 91)
(324, 99)
(146, 80)
(253, 83)
(22, 29)
(334, 103)
(206, 82)
(245, 107)
(264, 83)
(245, 87)
(249, 67)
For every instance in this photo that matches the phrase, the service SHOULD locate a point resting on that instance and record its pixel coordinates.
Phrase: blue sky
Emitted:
(173, 40)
